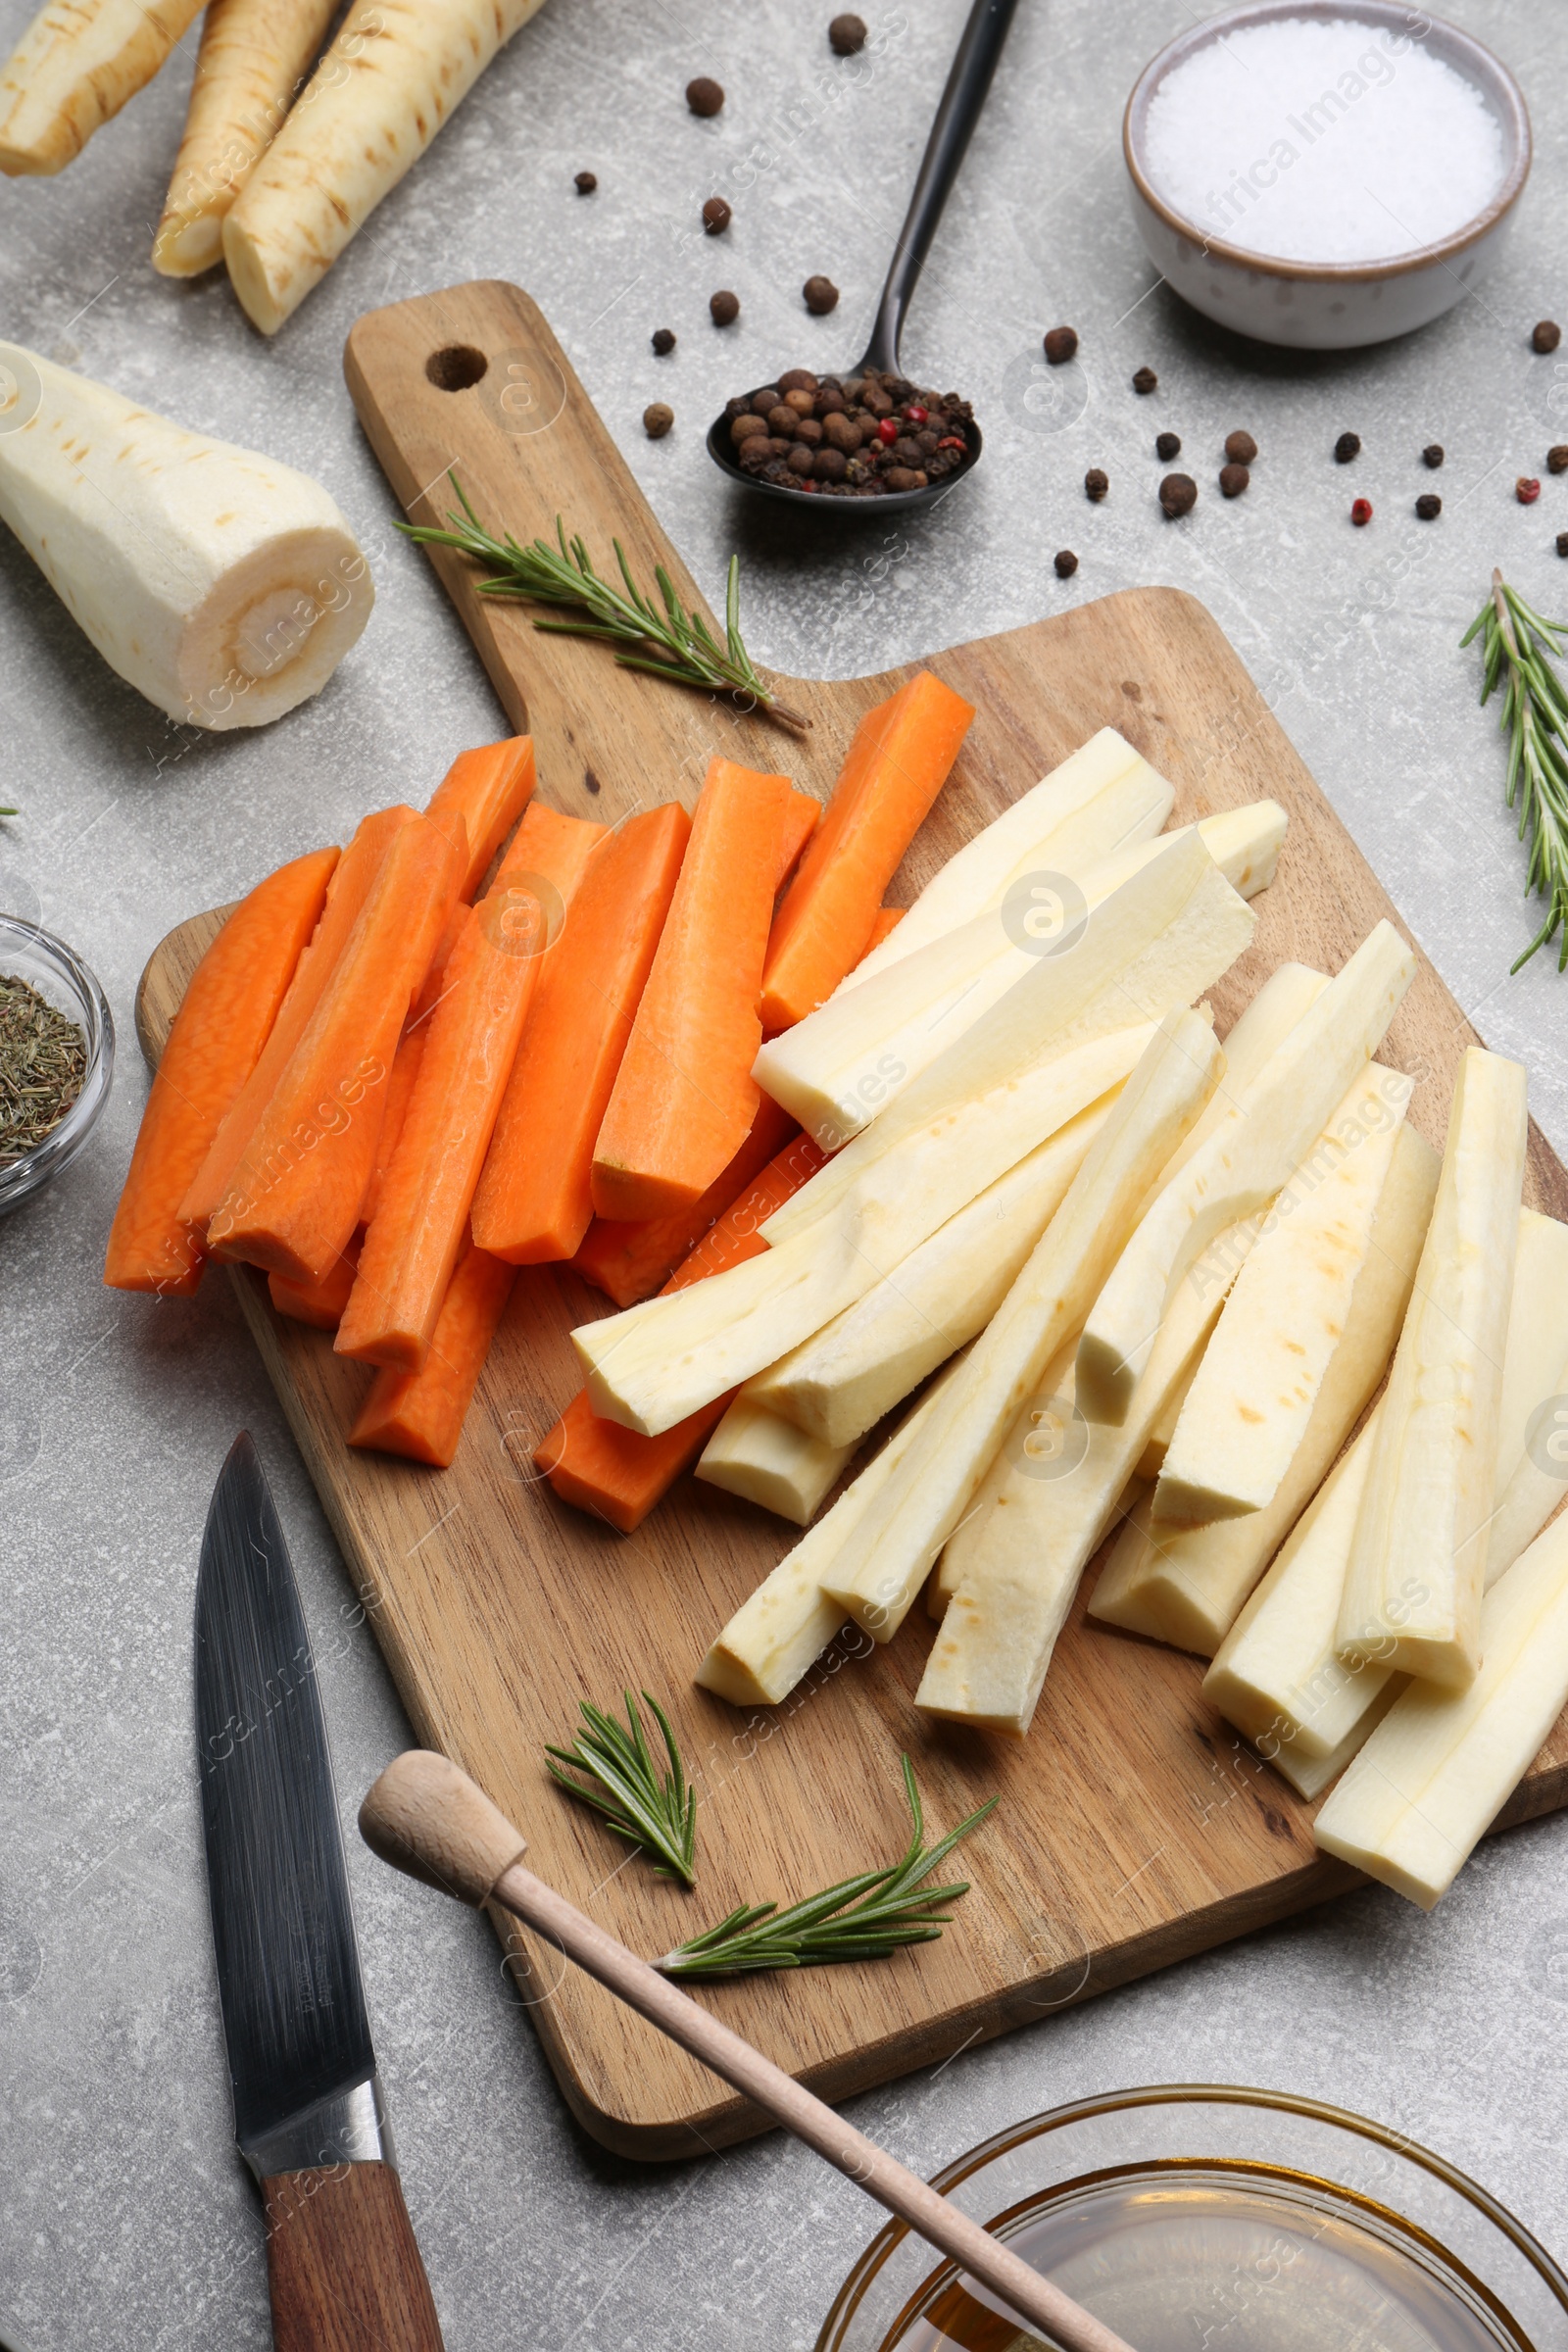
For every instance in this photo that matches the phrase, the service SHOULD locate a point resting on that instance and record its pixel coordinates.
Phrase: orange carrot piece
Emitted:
(535, 1200)
(888, 918)
(219, 1029)
(295, 1197)
(351, 885)
(399, 1092)
(617, 1473)
(684, 1095)
(488, 789)
(897, 763)
(319, 1304)
(554, 851)
(629, 1263)
(421, 1414)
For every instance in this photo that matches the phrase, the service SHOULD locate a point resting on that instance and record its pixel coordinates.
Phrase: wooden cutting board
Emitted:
(1134, 1828)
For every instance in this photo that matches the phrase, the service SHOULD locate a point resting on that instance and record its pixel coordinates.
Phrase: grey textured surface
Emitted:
(125, 2219)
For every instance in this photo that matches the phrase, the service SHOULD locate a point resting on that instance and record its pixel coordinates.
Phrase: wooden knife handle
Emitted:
(342, 2266)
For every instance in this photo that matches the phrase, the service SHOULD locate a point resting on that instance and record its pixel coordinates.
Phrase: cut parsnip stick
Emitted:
(75, 66)
(1254, 1391)
(837, 1070)
(1185, 1585)
(1242, 1166)
(395, 72)
(767, 1460)
(788, 1622)
(1442, 1763)
(1533, 1418)
(932, 1491)
(839, 1382)
(1244, 844)
(1152, 1460)
(1418, 1559)
(254, 57)
(1045, 1424)
(656, 1363)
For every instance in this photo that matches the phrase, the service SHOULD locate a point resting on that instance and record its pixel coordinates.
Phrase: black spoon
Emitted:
(956, 115)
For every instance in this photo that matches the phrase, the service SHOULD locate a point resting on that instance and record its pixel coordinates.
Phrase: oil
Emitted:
(1183, 2256)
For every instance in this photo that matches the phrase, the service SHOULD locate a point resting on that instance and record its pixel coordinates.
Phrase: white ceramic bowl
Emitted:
(1327, 306)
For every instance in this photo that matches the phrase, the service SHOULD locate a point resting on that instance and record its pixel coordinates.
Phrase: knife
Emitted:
(343, 2270)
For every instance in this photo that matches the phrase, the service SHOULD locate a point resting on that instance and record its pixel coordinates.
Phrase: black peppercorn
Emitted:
(703, 96)
(1432, 455)
(724, 307)
(797, 379)
(1562, 543)
(1347, 447)
(1067, 563)
(1167, 446)
(1145, 381)
(1233, 479)
(664, 340)
(1178, 494)
(1429, 505)
(715, 216)
(846, 35)
(1240, 448)
(821, 296)
(1061, 342)
(1557, 458)
(585, 183)
(1545, 335)
(658, 420)
(1096, 484)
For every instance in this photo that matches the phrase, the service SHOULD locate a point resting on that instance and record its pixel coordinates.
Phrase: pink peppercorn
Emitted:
(1361, 511)
(1527, 490)
(888, 430)
(915, 413)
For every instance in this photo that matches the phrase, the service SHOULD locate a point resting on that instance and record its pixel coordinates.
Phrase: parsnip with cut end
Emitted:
(1441, 1765)
(1043, 1427)
(395, 72)
(1185, 1585)
(254, 57)
(75, 68)
(1241, 1167)
(221, 584)
(766, 1460)
(1412, 1589)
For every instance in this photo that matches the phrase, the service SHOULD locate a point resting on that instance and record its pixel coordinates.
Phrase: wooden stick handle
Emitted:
(426, 1817)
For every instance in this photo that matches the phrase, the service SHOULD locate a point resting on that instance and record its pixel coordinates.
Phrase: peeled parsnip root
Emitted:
(254, 57)
(395, 72)
(1047, 1431)
(767, 1460)
(77, 63)
(223, 585)
(1412, 1589)
(1439, 1766)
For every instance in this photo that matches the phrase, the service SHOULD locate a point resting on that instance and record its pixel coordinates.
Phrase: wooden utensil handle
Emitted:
(342, 2266)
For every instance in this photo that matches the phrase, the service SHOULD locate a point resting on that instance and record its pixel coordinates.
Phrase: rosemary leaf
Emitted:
(653, 1811)
(1518, 650)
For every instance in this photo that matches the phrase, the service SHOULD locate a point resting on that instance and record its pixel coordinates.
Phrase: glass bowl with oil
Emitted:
(1203, 2218)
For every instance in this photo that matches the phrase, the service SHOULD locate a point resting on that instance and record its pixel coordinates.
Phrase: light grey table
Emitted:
(125, 2219)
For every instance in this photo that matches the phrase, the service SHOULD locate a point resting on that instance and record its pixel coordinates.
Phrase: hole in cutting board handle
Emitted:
(455, 367)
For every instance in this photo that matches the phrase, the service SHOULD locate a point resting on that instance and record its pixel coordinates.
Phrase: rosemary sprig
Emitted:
(1518, 649)
(666, 642)
(652, 1810)
(863, 1918)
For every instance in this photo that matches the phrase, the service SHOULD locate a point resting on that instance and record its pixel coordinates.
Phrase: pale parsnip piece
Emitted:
(1241, 1167)
(765, 1460)
(1185, 1585)
(931, 1493)
(1254, 1391)
(774, 1636)
(396, 71)
(1532, 1460)
(254, 57)
(1418, 1559)
(1152, 1460)
(1441, 1765)
(1044, 1427)
(75, 66)
(1244, 844)
(221, 584)
(841, 1067)
(651, 1365)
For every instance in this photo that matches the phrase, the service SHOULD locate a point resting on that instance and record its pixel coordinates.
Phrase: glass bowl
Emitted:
(1215, 2218)
(47, 964)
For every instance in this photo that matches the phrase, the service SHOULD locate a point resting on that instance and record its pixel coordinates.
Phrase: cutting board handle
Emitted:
(342, 2266)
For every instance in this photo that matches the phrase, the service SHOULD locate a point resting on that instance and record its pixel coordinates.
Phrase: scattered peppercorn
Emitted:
(1067, 563)
(1562, 543)
(1167, 446)
(585, 183)
(1433, 454)
(664, 340)
(1527, 490)
(1178, 494)
(1545, 335)
(821, 296)
(1360, 510)
(1241, 449)
(1347, 447)
(715, 216)
(703, 96)
(846, 35)
(1429, 505)
(856, 436)
(724, 307)
(1557, 458)
(1144, 382)
(1096, 483)
(1233, 478)
(658, 420)
(1061, 343)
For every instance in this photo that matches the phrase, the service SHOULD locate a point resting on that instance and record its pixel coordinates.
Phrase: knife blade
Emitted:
(343, 2270)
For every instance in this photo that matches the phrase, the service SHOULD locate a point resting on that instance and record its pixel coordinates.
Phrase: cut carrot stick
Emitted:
(319, 1304)
(629, 1263)
(219, 1029)
(295, 1197)
(888, 918)
(534, 1200)
(350, 887)
(554, 847)
(617, 1473)
(399, 1094)
(684, 1097)
(488, 788)
(421, 1414)
(898, 762)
